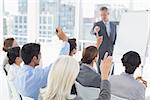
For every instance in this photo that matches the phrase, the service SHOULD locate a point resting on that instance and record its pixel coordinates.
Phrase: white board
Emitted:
(132, 35)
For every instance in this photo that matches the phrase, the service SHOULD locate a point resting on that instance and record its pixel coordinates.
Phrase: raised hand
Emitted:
(106, 66)
(61, 35)
(96, 29)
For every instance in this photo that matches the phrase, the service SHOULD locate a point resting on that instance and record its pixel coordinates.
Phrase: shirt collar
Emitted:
(27, 66)
(16, 65)
(126, 74)
(89, 66)
(106, 22)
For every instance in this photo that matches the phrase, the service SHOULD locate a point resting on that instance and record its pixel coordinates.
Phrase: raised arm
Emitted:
(62, 36)
(105, 93)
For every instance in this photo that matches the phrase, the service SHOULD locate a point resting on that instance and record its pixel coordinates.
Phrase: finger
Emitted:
(100, 66)
(105, 56)
(97, 34)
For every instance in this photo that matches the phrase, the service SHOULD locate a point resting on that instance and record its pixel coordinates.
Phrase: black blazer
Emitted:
(108, 41)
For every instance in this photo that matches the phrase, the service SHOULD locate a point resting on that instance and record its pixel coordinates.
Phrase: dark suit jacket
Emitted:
(88, 77)
(108, 41)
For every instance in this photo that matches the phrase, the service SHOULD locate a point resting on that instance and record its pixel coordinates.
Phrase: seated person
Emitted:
(14, 60)
(8, 43)
(30, 78)
(63, 75)
(82, 76)
(125, 85)
(88, 76)
(73, 46)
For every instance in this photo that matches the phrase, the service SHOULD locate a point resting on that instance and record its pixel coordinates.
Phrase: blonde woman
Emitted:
(63, 75)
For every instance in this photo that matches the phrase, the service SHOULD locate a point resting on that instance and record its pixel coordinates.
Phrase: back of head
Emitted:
(8, 43)
(28, 51)
(12, 54)
(131, 60)
(61, 78)
(73, 44)
(89, 54)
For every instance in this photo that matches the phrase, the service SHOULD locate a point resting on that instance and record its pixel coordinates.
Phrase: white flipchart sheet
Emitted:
(132, 35)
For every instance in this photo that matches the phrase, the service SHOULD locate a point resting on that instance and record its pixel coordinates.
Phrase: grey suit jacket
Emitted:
(126, 86)
(88, 77)
(108, 41)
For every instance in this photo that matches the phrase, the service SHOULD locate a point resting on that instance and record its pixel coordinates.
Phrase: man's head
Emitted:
(104, 13)
(30, 54)
(131, 60)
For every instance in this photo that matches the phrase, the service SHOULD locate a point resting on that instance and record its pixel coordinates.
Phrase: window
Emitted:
(20, 19)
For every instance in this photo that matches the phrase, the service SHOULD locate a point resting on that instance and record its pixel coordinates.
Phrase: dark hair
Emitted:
(73, 44)
(103, 8)
(131, 60)
(8, 43)
(89, 54)
(12, 54)
(28, 51)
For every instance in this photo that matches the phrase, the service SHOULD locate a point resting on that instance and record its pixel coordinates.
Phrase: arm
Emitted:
(62, 36)
(105, 85)
(42, 73)
(105, 90)
(65, 49)
(93, 29)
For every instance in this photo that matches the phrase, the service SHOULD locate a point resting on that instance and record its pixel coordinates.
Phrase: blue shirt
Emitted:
(107, 24)
(29, 80)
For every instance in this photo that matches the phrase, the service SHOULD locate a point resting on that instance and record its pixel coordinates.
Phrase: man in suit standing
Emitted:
(107, 29)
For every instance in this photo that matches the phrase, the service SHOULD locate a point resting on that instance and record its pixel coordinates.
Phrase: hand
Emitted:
(61, 35)
(140, 79)
(99, 40)
(96, 29)
(106, 66)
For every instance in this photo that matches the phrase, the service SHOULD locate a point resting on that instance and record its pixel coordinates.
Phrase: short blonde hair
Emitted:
(61, 78)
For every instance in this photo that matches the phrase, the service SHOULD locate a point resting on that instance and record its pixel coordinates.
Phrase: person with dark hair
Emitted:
(73, 46)
(8, 43)
(125, 85)
(106, 29)
(14, 60)
(88, 76)
(31, 78)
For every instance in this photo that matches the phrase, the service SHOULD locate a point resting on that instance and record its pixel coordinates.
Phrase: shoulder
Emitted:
(76, 98)
(139, 85)
(99, 22)
(112, 23)
(114, 78)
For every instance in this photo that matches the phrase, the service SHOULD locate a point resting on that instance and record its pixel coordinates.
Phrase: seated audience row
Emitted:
(59, 78)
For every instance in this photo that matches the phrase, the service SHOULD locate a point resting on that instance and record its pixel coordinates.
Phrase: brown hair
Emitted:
(8, 43)
(89, 54)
